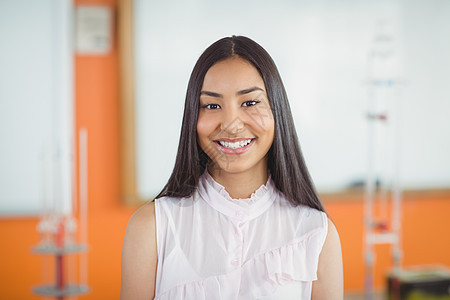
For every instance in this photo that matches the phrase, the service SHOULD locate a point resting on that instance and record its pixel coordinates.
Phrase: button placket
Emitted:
(236, 259)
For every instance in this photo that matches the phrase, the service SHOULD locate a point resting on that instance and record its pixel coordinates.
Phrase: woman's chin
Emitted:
(238, 166)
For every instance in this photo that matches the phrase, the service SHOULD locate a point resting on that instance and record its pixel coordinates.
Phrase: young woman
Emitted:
(239, 217)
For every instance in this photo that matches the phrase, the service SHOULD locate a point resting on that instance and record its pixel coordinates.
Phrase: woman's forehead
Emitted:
(232, 75)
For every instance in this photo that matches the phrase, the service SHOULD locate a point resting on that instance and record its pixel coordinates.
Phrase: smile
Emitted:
(235, 145)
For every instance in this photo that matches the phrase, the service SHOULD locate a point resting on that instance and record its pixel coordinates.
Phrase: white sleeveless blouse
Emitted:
(213, 247)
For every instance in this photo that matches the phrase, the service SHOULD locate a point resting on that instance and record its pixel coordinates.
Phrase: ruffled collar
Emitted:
(244, 202)
(242, 209)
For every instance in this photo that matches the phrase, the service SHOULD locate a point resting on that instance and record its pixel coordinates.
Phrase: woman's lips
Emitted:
(234, 146)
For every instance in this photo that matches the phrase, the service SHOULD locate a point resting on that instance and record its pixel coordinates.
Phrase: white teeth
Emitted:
(235, 145)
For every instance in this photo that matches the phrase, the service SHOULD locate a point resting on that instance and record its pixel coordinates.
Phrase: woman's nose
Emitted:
(232, 123)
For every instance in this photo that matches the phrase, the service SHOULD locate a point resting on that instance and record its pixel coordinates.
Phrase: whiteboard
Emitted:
(36, 115)
(321, 49)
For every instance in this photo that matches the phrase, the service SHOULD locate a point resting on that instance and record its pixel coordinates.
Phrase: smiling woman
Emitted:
(239, 217)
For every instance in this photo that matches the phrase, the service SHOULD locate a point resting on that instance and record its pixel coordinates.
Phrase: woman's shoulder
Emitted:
(141, 229)
(165, 203)
(302, 212)
(145, 215)
(142, 226)
(304, 219)
(139, 254)
(330, 271)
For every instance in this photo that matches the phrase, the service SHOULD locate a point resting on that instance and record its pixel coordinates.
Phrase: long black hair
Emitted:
(285, 160)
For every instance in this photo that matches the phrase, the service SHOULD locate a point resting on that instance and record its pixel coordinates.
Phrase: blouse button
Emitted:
(240, 214)
(235, 262)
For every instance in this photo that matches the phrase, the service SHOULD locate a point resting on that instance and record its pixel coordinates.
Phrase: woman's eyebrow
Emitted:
(249, 90)
(211, 94)
(240, 93)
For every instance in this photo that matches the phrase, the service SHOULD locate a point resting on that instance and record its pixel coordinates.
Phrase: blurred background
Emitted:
(92, 95)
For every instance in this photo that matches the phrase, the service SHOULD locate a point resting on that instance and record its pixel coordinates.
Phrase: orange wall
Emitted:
(425, 232)
(426, 222)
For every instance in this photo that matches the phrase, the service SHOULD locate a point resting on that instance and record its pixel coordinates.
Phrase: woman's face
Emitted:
(235, 124)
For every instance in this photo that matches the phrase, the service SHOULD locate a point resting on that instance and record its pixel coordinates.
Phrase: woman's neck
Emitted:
(240, 185)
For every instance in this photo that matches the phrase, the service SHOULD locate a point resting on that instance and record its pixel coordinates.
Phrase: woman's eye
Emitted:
(250, 103)
(211, 106)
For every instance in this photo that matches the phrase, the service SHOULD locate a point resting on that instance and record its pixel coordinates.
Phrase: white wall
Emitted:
(36, 113)
(321, 49)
